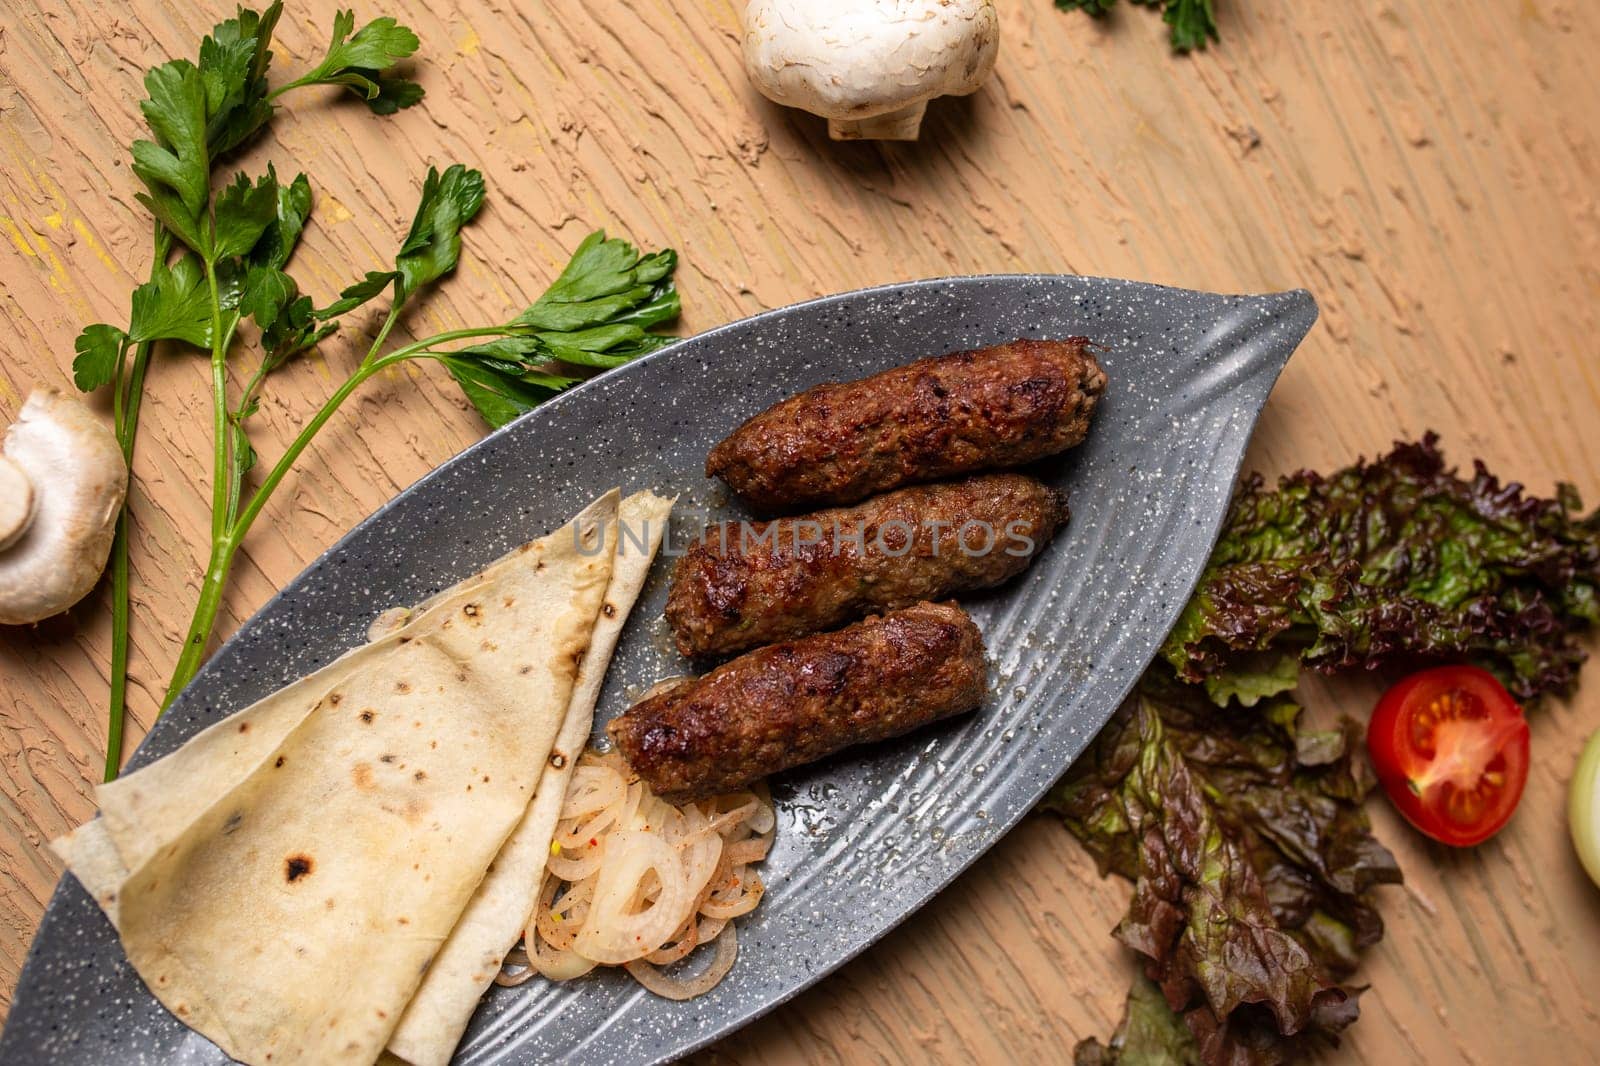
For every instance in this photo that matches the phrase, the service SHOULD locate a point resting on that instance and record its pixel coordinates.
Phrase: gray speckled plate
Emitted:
(872, 834)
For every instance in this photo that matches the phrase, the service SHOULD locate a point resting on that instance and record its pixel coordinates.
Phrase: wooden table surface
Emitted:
(1429, 169)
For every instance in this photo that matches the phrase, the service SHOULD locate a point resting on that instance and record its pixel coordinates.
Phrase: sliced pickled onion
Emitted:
(683, 941)
(748, 851)
(575, 865)
(561, 965)
(635, 881)
(739, 898)
(681, 988)
(617, 928)
(593, 788)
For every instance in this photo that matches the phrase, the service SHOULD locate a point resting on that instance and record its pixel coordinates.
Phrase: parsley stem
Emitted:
(126, 422)
(125, 402)
(383, 331)
(226, 544)
(219, 409)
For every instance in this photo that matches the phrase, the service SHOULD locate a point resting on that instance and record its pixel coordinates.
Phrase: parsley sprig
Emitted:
(1191, 22)
(221, 257)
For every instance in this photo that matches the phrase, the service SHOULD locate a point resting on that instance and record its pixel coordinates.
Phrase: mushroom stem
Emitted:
(16, 503)
(901, 125)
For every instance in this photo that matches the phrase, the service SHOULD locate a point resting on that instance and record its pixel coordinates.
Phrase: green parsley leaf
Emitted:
(1097, 8)
(173, 305)
(242, 214)
(99, 347)
(395, 93)
(278, 240)
(433, 246)
(378, 45)
(176, 168)
(500, 394)
(363, 62)
(250, 25)
(597, 314)
(234, 60)
(1191, 22)
(225, 71)
(294, 330)
(353, 296)
(255, 283)
(603, 346)
(607, 281)
(266, 292)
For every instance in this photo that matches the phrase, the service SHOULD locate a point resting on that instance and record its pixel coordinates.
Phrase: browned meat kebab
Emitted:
(790, 704)
(932, 419)
(743, 586)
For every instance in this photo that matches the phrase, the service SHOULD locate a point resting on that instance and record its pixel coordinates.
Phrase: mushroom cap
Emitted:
(74, 468)
(852, 59)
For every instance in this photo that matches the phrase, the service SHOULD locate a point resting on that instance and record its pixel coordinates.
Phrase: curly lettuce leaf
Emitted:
(1252, 865)
(1150, 1034)
(1399, 559)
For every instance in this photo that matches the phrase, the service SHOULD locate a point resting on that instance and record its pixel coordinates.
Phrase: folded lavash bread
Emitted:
(494, 919)
(283, 882)
(146, 809)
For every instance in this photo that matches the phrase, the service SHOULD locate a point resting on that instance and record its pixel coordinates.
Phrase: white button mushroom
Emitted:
(62, 482)
(869, 66)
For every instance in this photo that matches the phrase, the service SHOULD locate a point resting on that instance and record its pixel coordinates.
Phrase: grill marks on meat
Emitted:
(796, 702)
(741, 587)
(935, 418)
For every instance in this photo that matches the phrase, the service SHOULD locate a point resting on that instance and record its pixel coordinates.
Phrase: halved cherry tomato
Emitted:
(1451, 748)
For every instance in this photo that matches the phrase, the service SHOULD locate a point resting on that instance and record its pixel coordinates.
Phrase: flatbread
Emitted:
(283, 888)
(493, 921)
(146, 809)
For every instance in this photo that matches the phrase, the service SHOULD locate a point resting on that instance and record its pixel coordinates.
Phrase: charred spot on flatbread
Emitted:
(297, 866)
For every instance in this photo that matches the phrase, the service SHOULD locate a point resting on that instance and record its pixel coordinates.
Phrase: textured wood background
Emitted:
(1428, 168)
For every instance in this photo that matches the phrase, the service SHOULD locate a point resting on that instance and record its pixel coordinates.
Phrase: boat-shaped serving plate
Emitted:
(872, 834)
